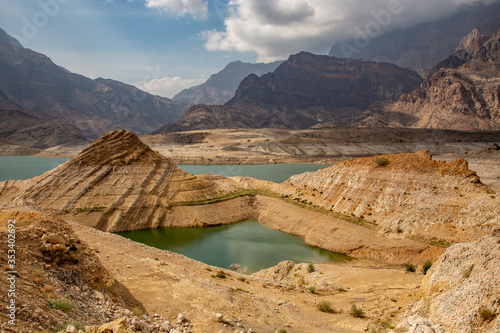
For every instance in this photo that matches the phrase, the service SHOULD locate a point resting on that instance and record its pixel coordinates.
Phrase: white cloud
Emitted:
(274, 29)
(167, 86)
(197, 8)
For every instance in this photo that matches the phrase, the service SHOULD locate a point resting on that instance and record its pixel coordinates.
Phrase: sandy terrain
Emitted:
(167, 283)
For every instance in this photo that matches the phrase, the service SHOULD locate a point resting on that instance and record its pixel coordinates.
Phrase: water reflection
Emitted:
(247, 243)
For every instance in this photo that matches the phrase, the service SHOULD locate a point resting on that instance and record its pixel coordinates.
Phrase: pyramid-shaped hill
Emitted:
(117, 183)
(407, 194)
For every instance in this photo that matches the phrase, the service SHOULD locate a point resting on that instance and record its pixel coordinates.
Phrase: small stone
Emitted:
(47, 267)
(181, 318)
(56, 239)
(128, 266)
(219, 317)
(70, 329)
(59, 247)
(281, 302)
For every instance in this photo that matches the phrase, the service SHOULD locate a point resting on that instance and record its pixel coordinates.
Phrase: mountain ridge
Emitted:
(94, 107)
(305, 90)
(220, 87)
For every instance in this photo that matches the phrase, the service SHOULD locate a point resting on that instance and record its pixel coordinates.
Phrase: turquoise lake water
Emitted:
(248, 243)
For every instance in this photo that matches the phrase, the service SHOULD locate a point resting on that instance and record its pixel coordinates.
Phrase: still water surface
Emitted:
(249, 244)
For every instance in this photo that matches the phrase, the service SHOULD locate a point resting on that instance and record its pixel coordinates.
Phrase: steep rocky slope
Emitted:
(305, 90)
(95, 107)
(220, 87)
(427, 43)
(406, 194)
(58, 278)
(463, 94)
(461, 290)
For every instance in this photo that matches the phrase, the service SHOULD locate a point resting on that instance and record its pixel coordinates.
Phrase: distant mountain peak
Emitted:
(6, 39)
(468, 40)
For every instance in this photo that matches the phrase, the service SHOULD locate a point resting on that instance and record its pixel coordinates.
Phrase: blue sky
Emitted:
(164, 46)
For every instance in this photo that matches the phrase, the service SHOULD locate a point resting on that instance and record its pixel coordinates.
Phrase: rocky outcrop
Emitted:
(94, 107)
(463, 94)
(461, 290)
(117, 183)
(406, 194)
(305, 90)
(220, 87)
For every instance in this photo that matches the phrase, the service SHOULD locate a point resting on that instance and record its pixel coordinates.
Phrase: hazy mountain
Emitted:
(463, 93)
(18, 128)
(34, 82)
(220, 87)
(305, 90)
(428, 43)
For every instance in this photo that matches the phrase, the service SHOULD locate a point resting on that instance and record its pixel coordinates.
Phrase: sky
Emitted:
(164, 46)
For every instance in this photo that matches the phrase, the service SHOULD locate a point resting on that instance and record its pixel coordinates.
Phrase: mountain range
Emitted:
(48, 92)
(463, 93)
(303, 91)
(220, 87)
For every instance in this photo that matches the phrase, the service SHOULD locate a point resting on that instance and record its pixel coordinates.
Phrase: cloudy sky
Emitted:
(164, 46)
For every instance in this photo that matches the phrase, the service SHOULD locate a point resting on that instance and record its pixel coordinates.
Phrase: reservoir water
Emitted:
(248, 244)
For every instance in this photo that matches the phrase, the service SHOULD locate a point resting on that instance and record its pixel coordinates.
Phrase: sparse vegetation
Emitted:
(62, 304)
(310, 268)
(382, 161)
(282, 330)
(409, 267)
(136, 311)
(342, 290)
(325, 306)
(357, 312)
(238, 268)
(220, 275)
(426, 266)
(312, 289)
(468, 272)
(486, 314)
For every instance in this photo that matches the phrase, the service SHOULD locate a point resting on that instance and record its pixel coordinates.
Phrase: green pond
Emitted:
(248, 244)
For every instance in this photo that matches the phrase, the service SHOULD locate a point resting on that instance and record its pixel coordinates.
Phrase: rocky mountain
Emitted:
(427, 43)
(18, 128)
(94, 107)
(305, 90)
(220, 87)
(463, 93)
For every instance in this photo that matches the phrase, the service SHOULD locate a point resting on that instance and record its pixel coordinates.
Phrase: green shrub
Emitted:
(310, 268)
(426, 266)
(282, 330)
(410, 268)
(325, 306)
(221, 275)
(136, 311)
(382, 161)
(312, 289)
(357, 312)
(62, 304)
